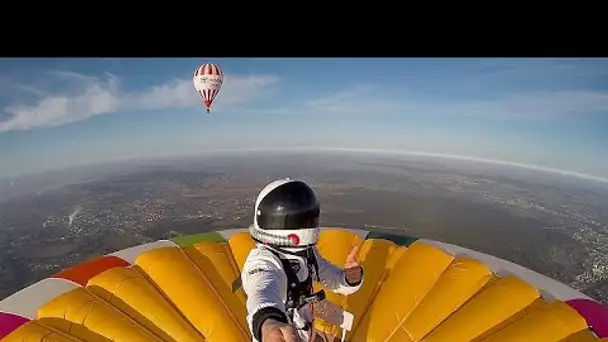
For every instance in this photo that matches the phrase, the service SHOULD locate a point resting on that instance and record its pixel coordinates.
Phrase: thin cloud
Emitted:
(529, 105)
(179, 93)
(548, 69)
(73, 76)
(355, 99)
(88, 96)
(360, 98)
(524, 105)
(98, 97)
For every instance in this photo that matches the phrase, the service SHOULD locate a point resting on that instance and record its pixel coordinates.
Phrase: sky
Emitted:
(548, 113)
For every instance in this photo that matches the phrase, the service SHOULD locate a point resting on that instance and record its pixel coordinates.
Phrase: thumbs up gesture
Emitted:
(352, 269)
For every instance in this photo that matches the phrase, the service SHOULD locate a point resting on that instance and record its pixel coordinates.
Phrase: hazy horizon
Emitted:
(428, 155)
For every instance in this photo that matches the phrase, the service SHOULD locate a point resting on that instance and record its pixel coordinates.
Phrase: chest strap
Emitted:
(300, 293)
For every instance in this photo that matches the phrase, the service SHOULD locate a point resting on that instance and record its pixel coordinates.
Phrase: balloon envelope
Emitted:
(414, 290)
(208, 79)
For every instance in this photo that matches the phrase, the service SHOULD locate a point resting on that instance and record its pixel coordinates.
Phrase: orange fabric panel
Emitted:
(82, 272)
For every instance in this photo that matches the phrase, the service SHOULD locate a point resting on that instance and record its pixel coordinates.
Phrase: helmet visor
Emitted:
(295, 220)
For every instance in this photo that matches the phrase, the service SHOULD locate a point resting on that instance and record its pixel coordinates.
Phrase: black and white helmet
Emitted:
(286, 215)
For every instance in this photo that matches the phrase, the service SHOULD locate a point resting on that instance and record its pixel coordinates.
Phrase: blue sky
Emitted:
(551, 113)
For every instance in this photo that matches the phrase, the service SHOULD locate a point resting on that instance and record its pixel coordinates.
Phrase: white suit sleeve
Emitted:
(334, 278)
(264, 284)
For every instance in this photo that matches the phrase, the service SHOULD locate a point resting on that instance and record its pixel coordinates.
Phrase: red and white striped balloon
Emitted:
(208, 79)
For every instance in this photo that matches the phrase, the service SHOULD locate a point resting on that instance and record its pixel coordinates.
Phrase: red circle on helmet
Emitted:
(294, 239)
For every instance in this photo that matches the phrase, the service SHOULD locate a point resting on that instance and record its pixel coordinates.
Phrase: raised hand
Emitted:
(352, 268)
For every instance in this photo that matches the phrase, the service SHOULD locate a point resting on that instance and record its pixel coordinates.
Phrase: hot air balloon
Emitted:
(415, 290)
(208, 79)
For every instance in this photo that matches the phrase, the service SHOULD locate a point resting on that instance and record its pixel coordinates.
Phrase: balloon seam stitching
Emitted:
(122, 313)
(400, 324)
(162, 293)
(215, 292)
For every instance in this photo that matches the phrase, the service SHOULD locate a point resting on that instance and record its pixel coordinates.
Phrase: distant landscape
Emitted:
(553, 224)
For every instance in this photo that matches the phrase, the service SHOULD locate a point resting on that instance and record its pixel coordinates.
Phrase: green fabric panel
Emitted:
(188, 240)
(402, 240)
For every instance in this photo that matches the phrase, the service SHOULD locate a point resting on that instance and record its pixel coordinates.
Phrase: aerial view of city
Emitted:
(556, 229)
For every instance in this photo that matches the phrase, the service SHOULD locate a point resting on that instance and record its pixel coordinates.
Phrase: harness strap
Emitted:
(298, 293)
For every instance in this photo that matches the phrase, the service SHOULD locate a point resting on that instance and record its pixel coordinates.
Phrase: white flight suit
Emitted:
(265, 284)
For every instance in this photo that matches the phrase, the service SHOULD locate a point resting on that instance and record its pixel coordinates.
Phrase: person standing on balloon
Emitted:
(279, 272)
